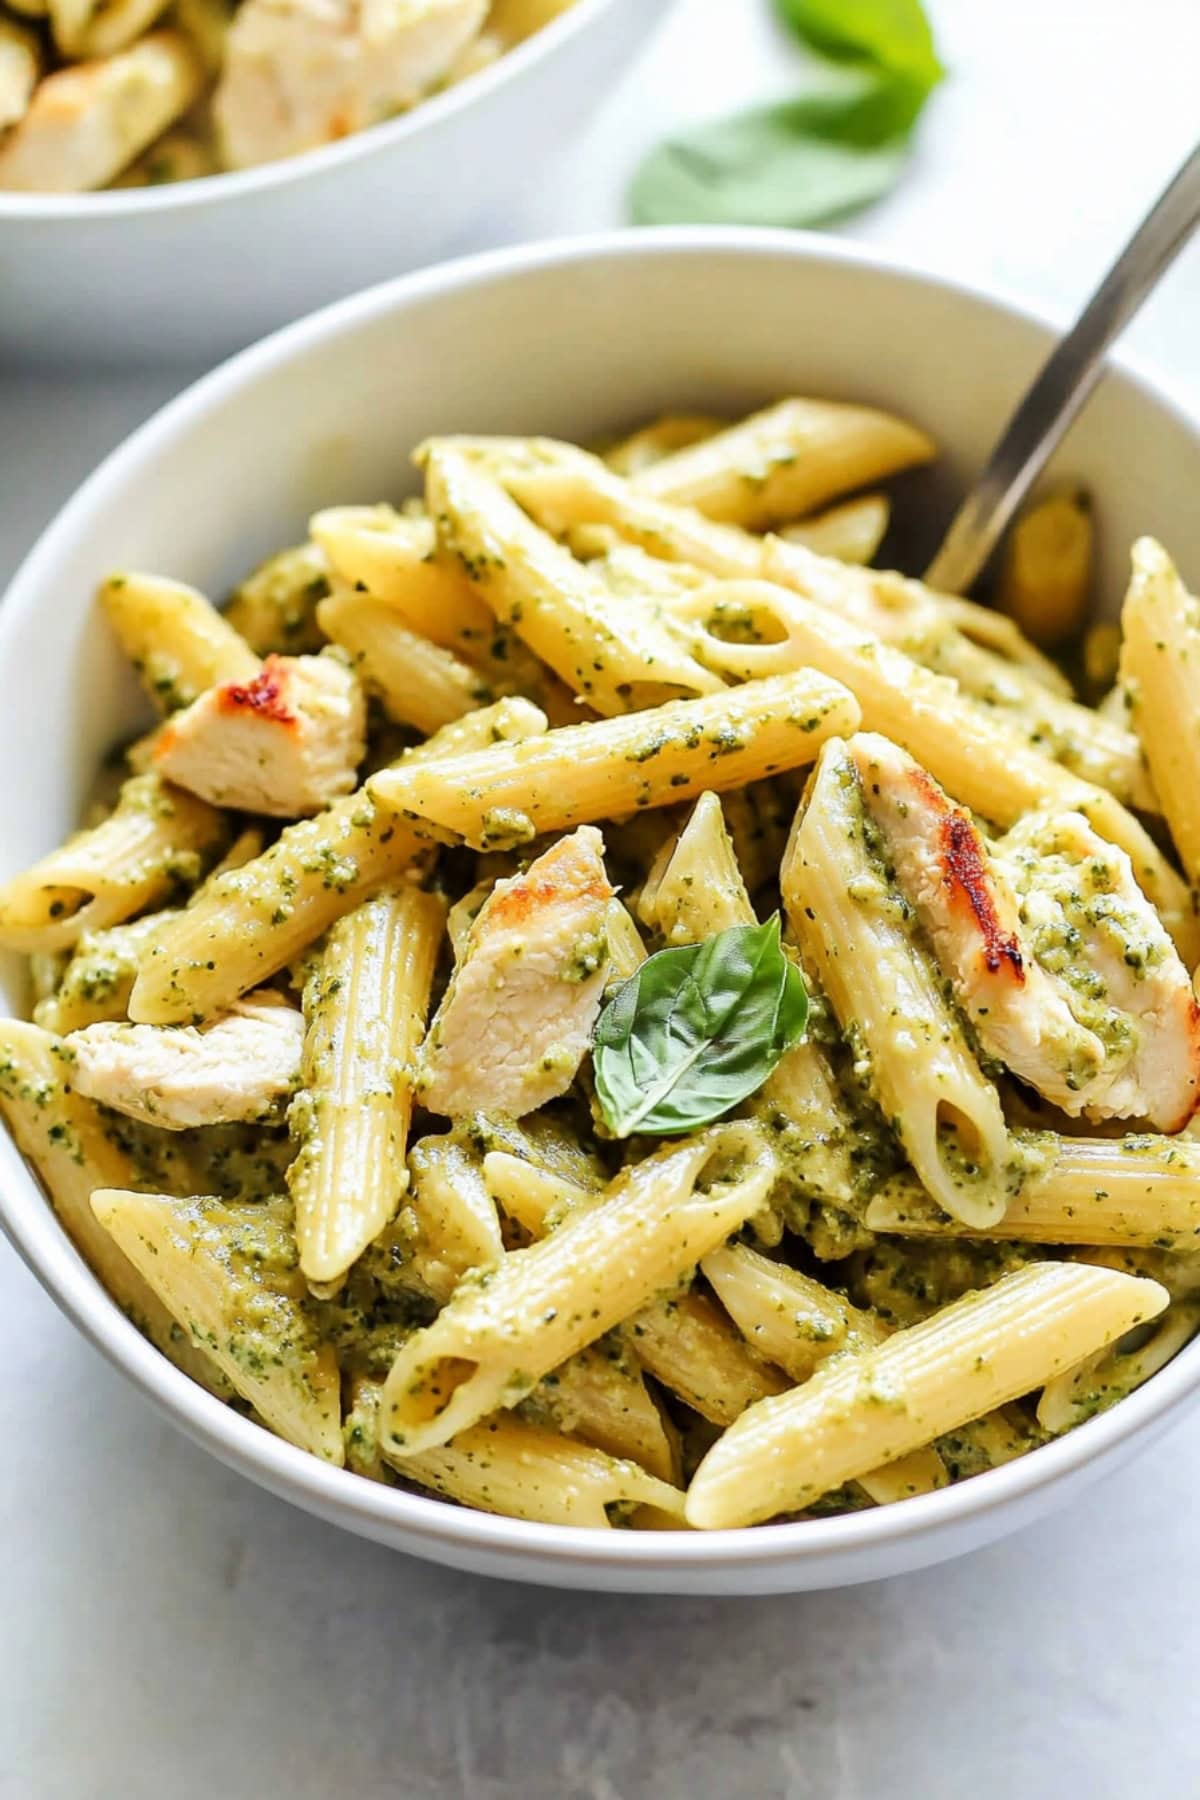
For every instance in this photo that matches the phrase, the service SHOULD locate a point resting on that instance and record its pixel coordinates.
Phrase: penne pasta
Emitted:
(695, 888)
(227, 1273)
(418, 683)
(617, 656)
(97, 981)
(256, 920)
(176, 640)
(582, 772)
(643, 448)
(365, 1008)
(1134, 1190)
(384, 554)
(275, 608)
(497, 1338)
(1103, 1379)
(505, 1465)
(798, 1323)
(158, 839)
(1160, 653)
(74, 1148)
(1046, 569)
(852, 531)
(791, 459)
(858, 936)
(600, 1396)
(685, 1342)
(875, 1406)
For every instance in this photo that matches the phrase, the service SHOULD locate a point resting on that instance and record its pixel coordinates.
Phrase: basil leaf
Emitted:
(838, 144)
(894, 34)
(696, 1030)
(801, 162)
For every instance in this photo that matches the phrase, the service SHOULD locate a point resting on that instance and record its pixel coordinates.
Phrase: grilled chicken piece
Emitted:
(965, 905)
(518, 1015)
(1088, 924)
(20, 66)
(238, 1066)
(1055, 955)
(299, 73)
(287, 742)
(84, 124)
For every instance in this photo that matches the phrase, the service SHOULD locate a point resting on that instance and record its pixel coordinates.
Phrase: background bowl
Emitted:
(574, 339)
(193, 270)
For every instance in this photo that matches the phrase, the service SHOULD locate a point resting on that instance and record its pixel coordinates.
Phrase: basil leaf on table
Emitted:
(696, 1030)
(894, 34)
(800, 162)
(836, 145)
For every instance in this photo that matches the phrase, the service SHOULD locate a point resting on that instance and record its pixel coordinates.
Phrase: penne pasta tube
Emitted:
(73, 1147)
(675, 431)
(860, 938)
(689, 1346)
(505, 1465)
(685, 1342)
(618, 656)
(565, 489)
(158, 837)
(365, 1007)
(583, 772)
(871, 1407)
(788, 460)
(256, 920)
(852, 531)
(227, 1272)
(1160, 653)
(458, 1228)
(1131, 1190)
(176, 639)
(275, 608)
(1046, 569)
(419, 683)
(600, 1396)
(96, 983)
(496, 1339)
(798, 1324)
(388, 556)
(1103, 1379)
(695, 888)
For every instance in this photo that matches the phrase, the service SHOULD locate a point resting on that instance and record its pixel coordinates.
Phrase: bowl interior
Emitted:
(572, 340)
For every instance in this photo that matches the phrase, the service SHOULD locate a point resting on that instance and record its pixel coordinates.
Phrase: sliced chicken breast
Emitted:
(518, 1015)
(299, 73)
(287, 742)
(240, 1065)
(967, 908)
(84, 124)
(1088, 924)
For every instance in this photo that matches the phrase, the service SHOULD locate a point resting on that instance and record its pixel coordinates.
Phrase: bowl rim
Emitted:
(392, 1514)
(235, 184)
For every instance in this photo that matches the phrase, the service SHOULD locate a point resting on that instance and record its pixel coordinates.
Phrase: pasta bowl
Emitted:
(190, 270)
(574, 340)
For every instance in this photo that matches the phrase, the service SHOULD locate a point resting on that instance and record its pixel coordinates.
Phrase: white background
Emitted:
(167, 1631)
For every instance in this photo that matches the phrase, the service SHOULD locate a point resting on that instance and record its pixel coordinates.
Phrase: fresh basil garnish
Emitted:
(839, 143)
(696, 1030)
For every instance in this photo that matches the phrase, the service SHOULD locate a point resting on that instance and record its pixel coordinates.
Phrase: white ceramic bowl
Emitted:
(572, 339)
(192, 271)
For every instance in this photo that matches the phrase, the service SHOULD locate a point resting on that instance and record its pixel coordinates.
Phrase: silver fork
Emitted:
(1063, 383)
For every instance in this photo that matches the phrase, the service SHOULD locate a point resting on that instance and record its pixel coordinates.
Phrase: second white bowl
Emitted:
(193, 270)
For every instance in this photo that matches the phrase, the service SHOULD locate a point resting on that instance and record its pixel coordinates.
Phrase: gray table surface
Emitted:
(167, 1630)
